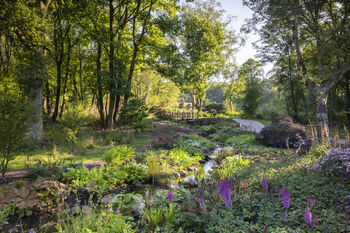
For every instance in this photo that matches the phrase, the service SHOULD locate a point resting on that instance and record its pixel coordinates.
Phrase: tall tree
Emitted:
(319, 35)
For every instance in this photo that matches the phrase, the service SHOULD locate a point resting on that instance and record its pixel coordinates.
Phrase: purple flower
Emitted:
(101, 219)
(170, 196)
(117, 211)
(311, 201)
(225, 191)
(30, 231)
(286, 198)
(201, 201)
(264, 184)
(278, 191)
(286, 213)
(87, 212)
(308, 216)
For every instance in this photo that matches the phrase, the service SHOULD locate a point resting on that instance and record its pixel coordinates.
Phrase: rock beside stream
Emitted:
(282, 132)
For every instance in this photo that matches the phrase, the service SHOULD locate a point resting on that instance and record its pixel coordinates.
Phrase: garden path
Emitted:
(250, 125)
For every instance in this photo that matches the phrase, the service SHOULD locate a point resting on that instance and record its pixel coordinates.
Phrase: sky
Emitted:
(236, 8)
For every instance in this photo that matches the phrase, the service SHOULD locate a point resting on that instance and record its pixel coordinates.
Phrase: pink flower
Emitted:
(264, 184)
(311, 201)
(308, 216)
(117, 211)
(201, 201)
(170, 196)
(87, 212)
(225, 191)
(286, 198)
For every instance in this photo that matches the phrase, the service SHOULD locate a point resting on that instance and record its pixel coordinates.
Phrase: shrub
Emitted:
(14, 116)
(283, 133)
(215, 109)
(73, 120)
(134, 173)
(335, 162)
(160, 113)
(134, 114)
(117, 155)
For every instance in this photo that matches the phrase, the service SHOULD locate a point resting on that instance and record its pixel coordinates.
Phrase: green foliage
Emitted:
(118, 155)
(182, 160)
(215, 109)
(134, 114)
(96, 219)
(194, 144)
(5, 212)
(135, 173)
(14, 116)
(125, 203)
(251, 71)
(156, 217)
(241, 141)
(162, 165)
(231, 165)
(99, 180)
(254, 210)
(318, 150)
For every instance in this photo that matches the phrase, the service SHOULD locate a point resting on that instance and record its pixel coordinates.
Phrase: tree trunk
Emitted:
(99, 85)
(347, 96)
(147, 86)
(66, 75)
(48, 100)
(110, 123)
(321, 94)
(35, 126)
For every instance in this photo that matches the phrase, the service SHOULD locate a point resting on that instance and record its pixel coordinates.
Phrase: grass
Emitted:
(65, 153)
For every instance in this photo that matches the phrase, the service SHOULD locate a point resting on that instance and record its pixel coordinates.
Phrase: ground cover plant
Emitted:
(270, 190)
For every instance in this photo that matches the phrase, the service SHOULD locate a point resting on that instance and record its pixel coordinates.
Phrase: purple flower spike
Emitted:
(308, 216)
(170, 196)
(87, 212)
(286, 198)
(225, 191)
(264, 184)
(201, 201)
(278, 191)
(286, 213)
(311, 201)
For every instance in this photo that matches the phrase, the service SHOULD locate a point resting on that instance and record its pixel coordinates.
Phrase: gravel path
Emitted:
(251, 125)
